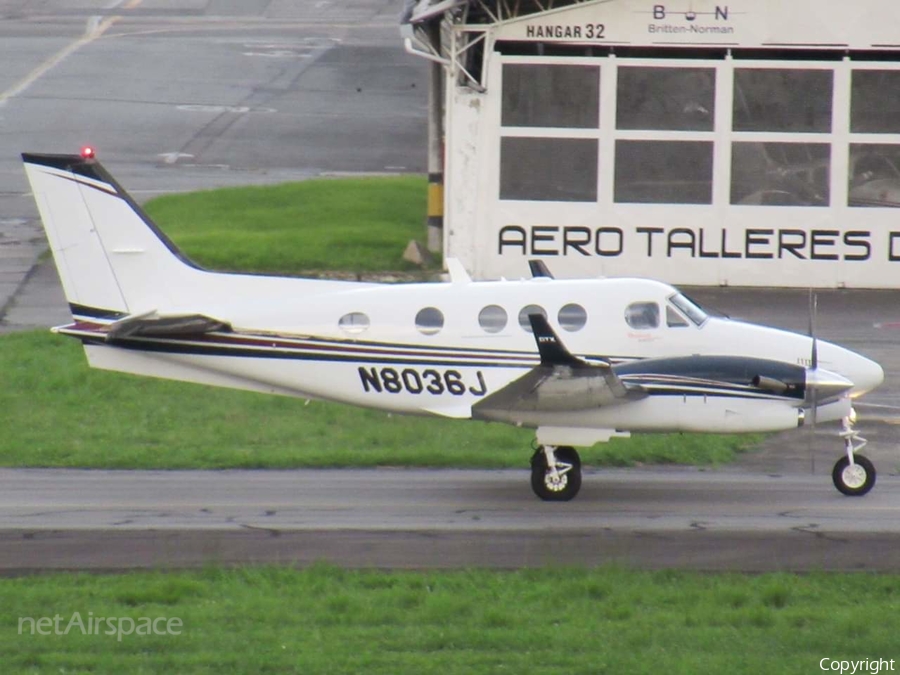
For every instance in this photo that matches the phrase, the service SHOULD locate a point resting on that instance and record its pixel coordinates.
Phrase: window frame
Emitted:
(526, 325)
(352, 328)
(638, 308)
(493, 330)
(429, 329)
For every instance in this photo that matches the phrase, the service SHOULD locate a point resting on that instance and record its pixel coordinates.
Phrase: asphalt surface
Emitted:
(179, 95)
(59, 519)
(191, 94)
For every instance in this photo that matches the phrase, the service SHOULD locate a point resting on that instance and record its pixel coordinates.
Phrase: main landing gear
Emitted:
(555, 473)
(853, 475)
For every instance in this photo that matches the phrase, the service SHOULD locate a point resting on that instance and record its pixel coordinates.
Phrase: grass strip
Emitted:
(358, 224)
(57, 412)
(548, 622)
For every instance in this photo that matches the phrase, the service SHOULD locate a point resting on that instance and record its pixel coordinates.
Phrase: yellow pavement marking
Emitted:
(95, 29)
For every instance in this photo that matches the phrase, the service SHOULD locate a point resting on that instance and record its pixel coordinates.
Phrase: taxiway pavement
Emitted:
(181, 95)
(189, 94)
(399, 518)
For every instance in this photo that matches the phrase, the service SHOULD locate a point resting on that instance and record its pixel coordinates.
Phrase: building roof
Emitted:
(479, 11)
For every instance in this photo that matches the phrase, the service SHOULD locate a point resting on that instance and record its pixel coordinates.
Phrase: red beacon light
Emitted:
(87, 152)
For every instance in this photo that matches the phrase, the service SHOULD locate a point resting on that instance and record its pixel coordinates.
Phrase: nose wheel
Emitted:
(853, 475)
(854, 480)
(555, 473)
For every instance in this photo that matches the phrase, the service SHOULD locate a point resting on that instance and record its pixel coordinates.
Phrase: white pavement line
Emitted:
(96, 26)
(864, 404)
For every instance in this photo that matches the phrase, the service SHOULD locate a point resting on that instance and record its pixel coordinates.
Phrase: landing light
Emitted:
(87, 152)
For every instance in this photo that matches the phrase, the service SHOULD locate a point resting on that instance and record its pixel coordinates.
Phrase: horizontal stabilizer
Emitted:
(156, 325)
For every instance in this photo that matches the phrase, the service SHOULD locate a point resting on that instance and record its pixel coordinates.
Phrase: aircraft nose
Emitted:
(866, 375)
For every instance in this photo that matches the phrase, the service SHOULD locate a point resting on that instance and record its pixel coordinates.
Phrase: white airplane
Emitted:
(579, 361)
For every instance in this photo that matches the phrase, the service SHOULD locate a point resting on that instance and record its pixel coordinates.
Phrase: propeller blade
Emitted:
(813, 311)
(814, 410)
(814, 403)
(812, 389)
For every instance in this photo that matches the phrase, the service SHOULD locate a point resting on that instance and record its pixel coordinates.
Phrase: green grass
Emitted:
(547, 622)
(354, 224)
(55, 411)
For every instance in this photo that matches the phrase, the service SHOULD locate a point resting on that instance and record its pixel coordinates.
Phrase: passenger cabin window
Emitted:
(353, 323)
(492, 319)
(674, 319)
(642, 315)
(572, 317)
(429, 321)
(689, 308)
(524, 321)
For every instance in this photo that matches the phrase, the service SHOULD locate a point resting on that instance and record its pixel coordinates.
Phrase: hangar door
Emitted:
(697, 166)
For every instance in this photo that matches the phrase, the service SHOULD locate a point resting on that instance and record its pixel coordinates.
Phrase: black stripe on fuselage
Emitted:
(81, 311)
(672, 376)
(703, 371)
(708, 389)
(263, 344)
(95, 313)
(694, 393)
(713, 390)
(170, 347)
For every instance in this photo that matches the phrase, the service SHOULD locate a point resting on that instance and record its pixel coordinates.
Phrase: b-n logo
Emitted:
(661, 12)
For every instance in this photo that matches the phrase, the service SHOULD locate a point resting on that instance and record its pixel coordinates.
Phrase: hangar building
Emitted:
(719, 142)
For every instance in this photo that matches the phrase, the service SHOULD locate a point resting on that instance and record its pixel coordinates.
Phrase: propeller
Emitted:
(812, 389)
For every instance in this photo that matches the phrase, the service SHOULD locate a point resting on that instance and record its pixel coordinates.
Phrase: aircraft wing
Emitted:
(562, 381)
(153, 324)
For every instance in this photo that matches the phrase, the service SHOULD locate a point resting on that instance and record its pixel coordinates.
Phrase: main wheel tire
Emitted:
(854, 481)
(541, 478)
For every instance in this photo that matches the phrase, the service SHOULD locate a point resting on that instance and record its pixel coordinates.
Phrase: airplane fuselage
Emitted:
(578, 360)
(302, 345)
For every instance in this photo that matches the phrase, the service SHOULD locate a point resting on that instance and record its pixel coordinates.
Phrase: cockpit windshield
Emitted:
(689, 308)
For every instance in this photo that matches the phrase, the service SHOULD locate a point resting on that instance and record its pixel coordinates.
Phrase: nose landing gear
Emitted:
(555, 473)
(853, 475)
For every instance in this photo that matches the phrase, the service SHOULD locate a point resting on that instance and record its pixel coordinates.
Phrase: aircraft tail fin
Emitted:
(109, 254)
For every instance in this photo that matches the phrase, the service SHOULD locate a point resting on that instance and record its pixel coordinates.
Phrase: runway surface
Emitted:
(440, 518)
(190, 94)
